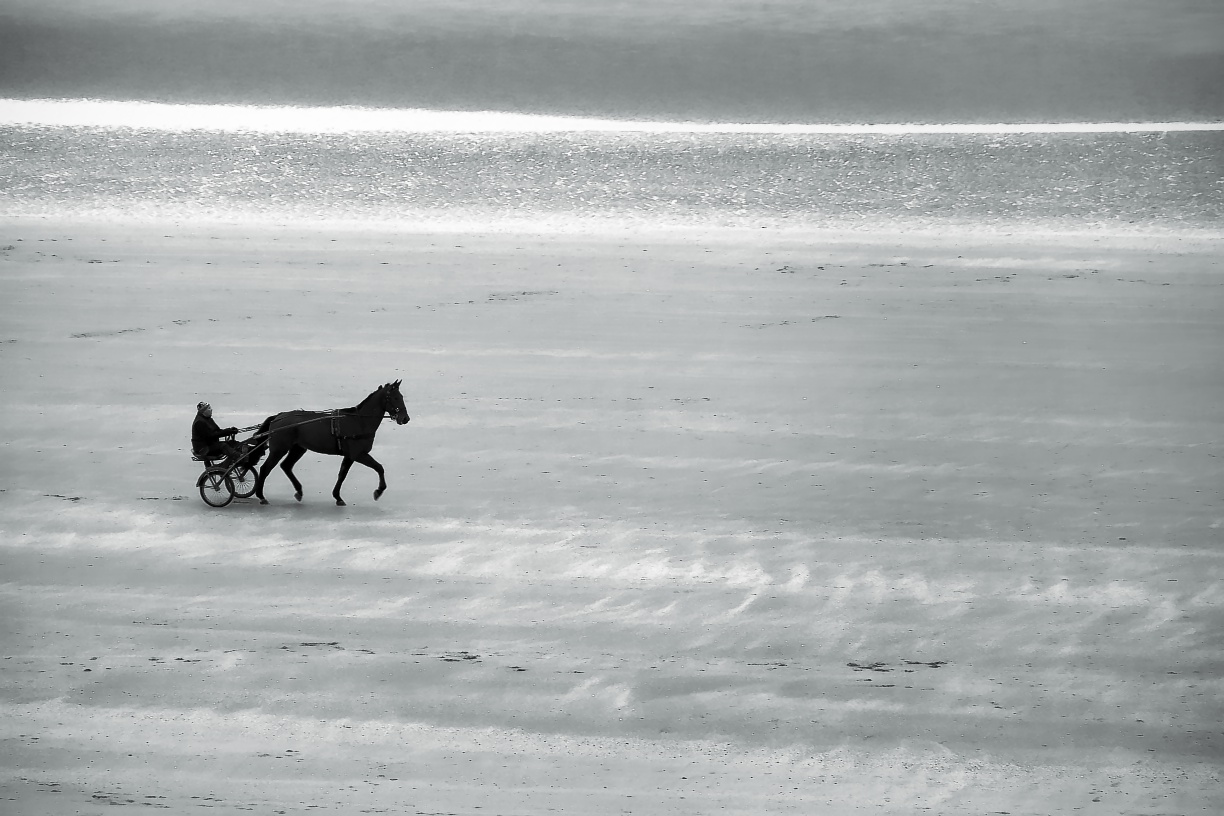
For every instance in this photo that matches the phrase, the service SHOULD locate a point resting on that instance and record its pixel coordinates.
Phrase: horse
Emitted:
(348, 432)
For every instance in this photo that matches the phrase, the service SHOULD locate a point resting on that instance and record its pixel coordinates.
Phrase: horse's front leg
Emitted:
(370, 462)
(344, 469)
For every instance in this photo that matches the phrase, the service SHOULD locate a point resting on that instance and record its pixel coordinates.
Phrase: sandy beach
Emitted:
(687, 522)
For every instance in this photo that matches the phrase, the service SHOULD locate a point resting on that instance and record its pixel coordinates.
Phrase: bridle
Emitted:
(390, 409)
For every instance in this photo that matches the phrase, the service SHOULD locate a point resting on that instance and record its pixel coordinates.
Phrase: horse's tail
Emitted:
(263, 429)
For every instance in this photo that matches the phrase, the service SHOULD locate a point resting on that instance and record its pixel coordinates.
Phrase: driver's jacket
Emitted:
(205, 434)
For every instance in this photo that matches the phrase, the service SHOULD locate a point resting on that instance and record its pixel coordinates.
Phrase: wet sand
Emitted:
(684, 522)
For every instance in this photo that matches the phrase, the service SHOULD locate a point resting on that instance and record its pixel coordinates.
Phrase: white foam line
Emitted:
(258, 119)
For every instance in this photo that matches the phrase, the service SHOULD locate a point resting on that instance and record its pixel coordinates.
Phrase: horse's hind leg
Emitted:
(295, 453)
(344, 469)
(274, 456)
(370, 462)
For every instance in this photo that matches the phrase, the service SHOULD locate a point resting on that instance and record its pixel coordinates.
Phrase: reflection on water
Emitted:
(1155, 179)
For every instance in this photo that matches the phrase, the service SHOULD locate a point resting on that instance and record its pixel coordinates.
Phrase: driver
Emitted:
(206, 436)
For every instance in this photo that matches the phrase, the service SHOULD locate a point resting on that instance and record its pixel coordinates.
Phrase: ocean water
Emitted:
(1070, 180)
(338, 102)
(850, 61)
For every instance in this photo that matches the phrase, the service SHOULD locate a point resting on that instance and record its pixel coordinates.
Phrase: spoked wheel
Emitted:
(243, 480)
(216, 489)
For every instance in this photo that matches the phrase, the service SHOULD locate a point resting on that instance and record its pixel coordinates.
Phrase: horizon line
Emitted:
(167, 116)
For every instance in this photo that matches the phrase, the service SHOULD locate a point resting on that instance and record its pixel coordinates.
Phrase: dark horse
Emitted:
(348, 432)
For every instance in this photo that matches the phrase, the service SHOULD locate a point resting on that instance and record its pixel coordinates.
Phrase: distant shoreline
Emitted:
(345, 119)
(963, 233)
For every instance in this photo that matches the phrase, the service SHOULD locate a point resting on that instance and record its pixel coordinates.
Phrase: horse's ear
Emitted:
(397, 383)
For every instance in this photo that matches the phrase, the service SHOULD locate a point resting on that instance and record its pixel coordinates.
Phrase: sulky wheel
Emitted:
(216, 489)
(243, 480)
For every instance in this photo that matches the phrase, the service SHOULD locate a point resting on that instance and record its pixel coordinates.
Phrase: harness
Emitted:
(334, 415)
(341, 437)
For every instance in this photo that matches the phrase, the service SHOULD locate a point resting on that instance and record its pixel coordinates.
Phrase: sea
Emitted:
(248, 163)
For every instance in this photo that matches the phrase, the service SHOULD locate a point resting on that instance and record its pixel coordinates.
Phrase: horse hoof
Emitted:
(341, 503)
(262, 500)
(377, 493)
(297, 496)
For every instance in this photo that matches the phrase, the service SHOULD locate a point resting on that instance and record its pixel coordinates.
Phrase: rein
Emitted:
(332, 415)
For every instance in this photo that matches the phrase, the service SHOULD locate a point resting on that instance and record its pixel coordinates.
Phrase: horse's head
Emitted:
(393, 402)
